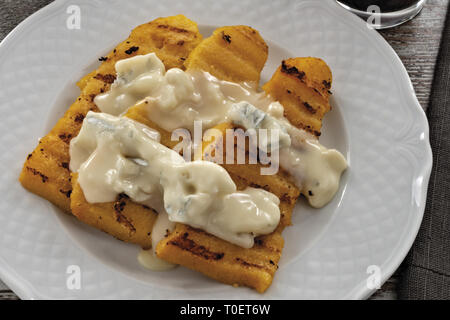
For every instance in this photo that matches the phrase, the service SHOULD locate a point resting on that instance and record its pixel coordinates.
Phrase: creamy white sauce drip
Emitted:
(148, 258)
(176, 99)
(114, 155)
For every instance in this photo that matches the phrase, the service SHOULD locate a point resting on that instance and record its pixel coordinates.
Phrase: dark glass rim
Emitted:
(400, 12)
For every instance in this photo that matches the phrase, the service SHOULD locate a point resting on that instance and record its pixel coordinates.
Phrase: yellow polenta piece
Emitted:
(224, 261)
(236, 53)
(302, 86)
(123, 218)
(221, 260)
(46, 170)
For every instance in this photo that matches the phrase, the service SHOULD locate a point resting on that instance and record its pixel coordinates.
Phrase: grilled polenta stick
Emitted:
(235, 53)
(123, 218)
(302, 86)
(46, 170)
(221, 260)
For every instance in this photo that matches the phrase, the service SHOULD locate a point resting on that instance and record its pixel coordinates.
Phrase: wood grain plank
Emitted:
(417, 44)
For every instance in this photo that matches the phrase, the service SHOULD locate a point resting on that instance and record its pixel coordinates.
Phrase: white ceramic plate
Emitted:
(376, 122)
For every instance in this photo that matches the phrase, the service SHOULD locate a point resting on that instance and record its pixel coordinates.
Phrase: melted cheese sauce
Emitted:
(114, 155)
(175, 99)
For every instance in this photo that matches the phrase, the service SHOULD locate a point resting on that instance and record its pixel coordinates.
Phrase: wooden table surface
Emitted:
(417, 44)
